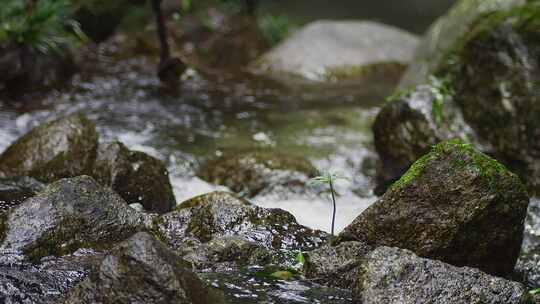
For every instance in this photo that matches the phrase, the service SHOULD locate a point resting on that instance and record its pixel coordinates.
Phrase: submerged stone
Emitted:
(340, 51)
(396, 276)
(67, 215)
(65, 147)
(220, 214)
(259, 172)
(454, 204)
(143, 270)
(136, 176)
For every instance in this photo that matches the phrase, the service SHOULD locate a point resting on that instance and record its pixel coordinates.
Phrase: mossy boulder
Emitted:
(143, 270)
(410, 123)
(447, 32)
(392, 275)
(335, 265)
(340, 52)
(65, 147)
(218, 214)
(67, 215)
(454, 204)
(15, 190)
(136, 176)
(490, 97)
(251, 173)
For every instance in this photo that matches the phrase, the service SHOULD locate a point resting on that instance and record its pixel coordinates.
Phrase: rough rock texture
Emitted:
(219, 214)
(136, 176)
(15, 190)
(445, 33)
(257, 172)
(24, 69)
(491, 74)
(455, 204)
(46, 283)
(528, 265)
(336, 51)
(142, 270)
(335, 265)
(62, 148)
(410, 124)
(67, 215)
(392, 275)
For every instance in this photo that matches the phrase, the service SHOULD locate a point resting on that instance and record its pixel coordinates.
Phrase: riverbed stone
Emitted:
(65, 147)
(15, 190)
(393, 275)
(490, 74)
(340, 52)
(335, 265)
(136, 176)
(143, 270)
(251, 173)
(222, 214)
(455, 204)
(67, 215)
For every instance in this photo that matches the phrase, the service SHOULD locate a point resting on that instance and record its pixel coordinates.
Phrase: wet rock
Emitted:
(392, 275)
(412, 122)
(14, 191)
(67, 215)
(24, 69)
(528, 265)
(335, 265)
(62, 148)
(136, 176)
(47, 282)
(454, 204)
(142, 270)
(258, 172)
(500, 86)
(339, 52)
(220, 214)
(442, 37)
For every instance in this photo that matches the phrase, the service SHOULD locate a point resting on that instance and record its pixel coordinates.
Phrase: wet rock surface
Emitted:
(335, 265)
(479, 94)
(251, 173)
(47, 282)
(392, 275)
(528, 265)
(65, 147)
(455, 204)
(14, 191)
(220, 214)
(142, 270)
(337, 51)
(67, 215)
(136, 176)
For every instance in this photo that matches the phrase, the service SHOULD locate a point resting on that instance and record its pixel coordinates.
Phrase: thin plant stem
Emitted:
(334, 203)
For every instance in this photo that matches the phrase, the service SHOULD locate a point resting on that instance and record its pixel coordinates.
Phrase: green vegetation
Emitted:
(45, 26)
(442, 91)
(274, 28)
(534, 291)
(329, 178)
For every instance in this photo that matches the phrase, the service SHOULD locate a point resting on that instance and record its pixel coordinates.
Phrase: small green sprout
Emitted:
(328, 178)
(534, 291)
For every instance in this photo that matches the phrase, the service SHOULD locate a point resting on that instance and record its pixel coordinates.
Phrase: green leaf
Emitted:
(300, 258)
(534, 291)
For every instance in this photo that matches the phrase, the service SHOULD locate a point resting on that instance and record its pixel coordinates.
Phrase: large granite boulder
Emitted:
(136, 176)
(454, 204)
(490, 79)
(65, 147)
(67, 215)
(396, 276)
(341, 52)
(143, 270)
(250, 173)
